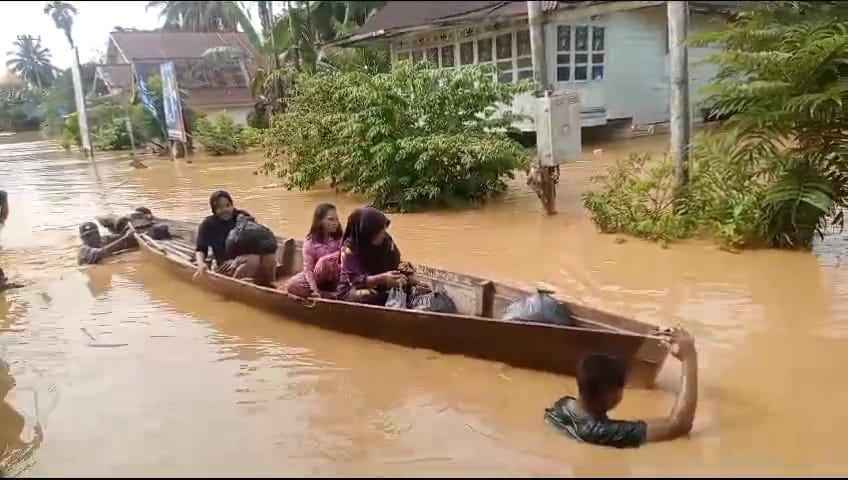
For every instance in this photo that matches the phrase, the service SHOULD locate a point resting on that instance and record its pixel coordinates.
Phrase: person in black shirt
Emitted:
(95, 248)
(4, 208)
(213, 232)
(600, 382)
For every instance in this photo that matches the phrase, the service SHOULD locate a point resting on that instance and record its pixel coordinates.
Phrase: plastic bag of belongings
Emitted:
(540, 307)
(141, 219)
(250, 238)
(437, 301)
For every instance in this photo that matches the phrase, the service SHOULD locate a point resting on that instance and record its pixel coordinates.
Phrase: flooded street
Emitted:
(119, 369)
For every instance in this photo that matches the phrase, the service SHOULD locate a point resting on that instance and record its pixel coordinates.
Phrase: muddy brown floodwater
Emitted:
(120, 370)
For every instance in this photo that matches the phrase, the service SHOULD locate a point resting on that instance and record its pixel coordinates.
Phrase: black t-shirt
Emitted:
(565, 416)
(213, 233)
(3, 198)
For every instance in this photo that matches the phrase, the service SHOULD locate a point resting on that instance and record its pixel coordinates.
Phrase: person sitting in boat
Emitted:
(320, 255)
(95, 248)
(213, 232)
(4, 208)
(369, 258)
(600, 383)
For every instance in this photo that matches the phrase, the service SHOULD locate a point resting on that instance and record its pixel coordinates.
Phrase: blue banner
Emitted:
(171, 102)
(147, 99)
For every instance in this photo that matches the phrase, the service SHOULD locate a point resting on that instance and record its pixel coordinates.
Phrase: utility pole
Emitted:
(544, 178)
(681, 109)
(536, 19)
(80, 103)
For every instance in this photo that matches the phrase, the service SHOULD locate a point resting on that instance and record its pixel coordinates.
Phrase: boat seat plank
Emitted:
(285, 257)
(484, 295)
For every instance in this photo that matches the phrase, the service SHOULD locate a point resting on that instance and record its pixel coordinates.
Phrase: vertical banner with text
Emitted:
(171, 103)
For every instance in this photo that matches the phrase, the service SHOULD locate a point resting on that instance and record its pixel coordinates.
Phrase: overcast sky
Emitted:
(91, 26)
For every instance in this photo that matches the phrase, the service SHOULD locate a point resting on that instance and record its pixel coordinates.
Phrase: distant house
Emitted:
(613, 54)
(214, 83)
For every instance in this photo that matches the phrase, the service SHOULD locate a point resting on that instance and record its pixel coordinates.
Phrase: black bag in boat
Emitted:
(140, 218)
(438, 301)
(539, 307)
(250, 238)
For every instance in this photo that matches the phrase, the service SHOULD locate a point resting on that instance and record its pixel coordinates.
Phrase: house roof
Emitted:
(148, 45)
(119, 76)
(398, 16)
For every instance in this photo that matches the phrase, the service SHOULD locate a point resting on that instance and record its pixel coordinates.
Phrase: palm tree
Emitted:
(209, 16)
(31, 62)
(62, 14)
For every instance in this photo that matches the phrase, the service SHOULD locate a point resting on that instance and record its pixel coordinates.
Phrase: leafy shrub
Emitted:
(112, 135)
(251, 136)
(220, 135)
(782, 79)
(71, 133)
(636, 197)
(777, 172)
(258, 118)
(726, 190)
(724, 198)
(408, 139)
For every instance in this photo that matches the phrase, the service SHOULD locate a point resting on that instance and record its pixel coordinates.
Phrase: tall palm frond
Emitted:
(62, 14)
(31, 61)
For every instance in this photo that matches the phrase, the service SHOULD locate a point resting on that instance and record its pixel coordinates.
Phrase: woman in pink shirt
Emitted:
(320, 255)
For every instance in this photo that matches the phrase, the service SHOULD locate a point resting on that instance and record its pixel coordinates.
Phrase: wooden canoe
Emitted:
(476, 332)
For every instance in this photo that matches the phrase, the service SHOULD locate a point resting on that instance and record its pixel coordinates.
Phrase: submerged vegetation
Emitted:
(410, 139)
(775, 173)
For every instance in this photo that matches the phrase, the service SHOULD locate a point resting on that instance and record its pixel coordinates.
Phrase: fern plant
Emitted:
(782, 80)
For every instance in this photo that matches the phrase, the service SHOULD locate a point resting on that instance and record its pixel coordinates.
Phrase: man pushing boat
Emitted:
(600, 383)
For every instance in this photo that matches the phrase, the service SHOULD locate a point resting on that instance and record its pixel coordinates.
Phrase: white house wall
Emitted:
(635, 82)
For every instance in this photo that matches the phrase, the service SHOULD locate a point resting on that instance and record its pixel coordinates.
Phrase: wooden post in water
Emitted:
(681, 109)
(536, 21)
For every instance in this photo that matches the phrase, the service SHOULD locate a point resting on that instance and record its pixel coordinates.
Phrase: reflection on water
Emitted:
(126, 371)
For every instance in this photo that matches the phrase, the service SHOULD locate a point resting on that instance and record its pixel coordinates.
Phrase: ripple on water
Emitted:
(194, 369)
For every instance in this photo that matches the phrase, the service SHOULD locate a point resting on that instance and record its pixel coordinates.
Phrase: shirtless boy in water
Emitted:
(600, 382)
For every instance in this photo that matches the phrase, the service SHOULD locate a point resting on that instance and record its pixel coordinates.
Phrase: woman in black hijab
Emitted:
(369, 259)
(213, 232)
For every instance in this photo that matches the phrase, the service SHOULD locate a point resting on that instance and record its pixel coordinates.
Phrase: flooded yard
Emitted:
(119, 369)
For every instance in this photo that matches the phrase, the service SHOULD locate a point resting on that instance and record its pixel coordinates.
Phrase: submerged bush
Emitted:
(777, 172)
(636, 197)
(220, 135)
(112, 135)
(724, 198)
(408, 139)
(782, 77)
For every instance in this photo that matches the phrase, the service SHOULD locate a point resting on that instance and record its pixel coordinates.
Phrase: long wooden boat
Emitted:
(476, 331)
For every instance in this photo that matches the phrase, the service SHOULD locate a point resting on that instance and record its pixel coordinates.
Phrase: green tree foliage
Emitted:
(20, 108)
(31, 62)
(59, 99)
(224, 16)
(724, 198)
(776, 173)
(62, 14)
(409, 139)
(220, 135)
(784, 79)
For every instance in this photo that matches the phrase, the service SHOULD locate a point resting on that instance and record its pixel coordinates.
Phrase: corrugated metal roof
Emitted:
(137, 45)
(399, 14)
(119, 76)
